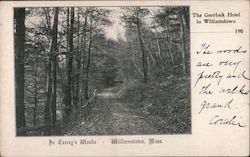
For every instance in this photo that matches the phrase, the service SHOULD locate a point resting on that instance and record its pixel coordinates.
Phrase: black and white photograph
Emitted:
(100, 71)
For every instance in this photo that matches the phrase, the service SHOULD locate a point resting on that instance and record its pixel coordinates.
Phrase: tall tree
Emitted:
(47, 114)
(174, 25)
(88, 59)
(19, 15)
(143, 53)
(82, 52)
(134, 16)
(183, 36)
(54, 50)
(78, 66)
(35, 89)
(50, 108)
(68, 94)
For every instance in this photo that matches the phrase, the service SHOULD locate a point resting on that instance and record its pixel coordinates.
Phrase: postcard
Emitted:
(124, 78)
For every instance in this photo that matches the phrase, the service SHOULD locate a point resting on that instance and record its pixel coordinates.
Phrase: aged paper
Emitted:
(219, 89)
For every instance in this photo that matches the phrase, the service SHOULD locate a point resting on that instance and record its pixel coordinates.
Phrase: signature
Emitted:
(235, 121)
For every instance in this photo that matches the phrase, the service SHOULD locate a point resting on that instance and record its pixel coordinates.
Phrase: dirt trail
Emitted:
(111, 117)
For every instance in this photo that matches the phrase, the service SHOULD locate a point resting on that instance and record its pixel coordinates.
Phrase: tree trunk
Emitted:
(50, 108)
(49, 91)
(186, 16)
(169, 51)
(83, 43)
(68, 94)
(157, 42)
(48, 20)
(143, 54)
(150, 54)
(35, 82)
(78, 66)
(183, 35)
(88, 60)
(65, 100)
(19, 14)
(133, 59)
(54, 53)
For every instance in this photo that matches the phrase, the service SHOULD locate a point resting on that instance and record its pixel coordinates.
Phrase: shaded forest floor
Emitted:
(111, 117)
(167, 102)
(153, 108)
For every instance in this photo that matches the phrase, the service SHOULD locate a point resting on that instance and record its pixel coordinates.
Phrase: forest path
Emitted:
(111, 117)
